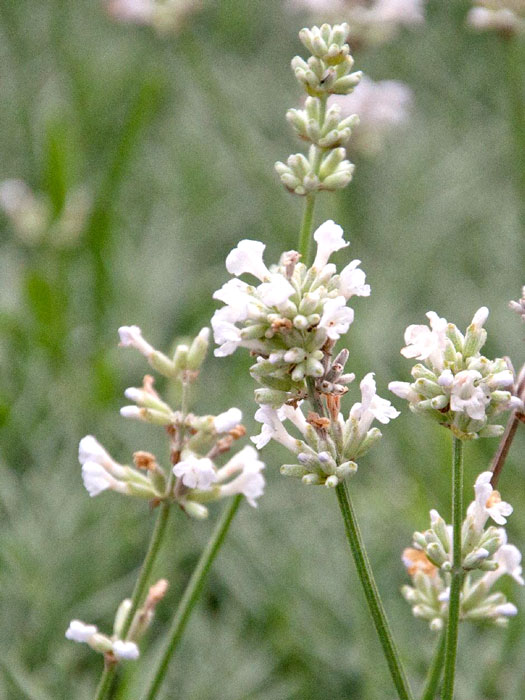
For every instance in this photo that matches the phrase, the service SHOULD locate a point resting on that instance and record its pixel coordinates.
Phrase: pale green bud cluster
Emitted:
(319, 471)
(485, 557)
(477, 548)
(334, 131)
(456, 385)
(326, 72)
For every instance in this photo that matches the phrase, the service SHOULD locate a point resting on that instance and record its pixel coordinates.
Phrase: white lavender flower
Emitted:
(196, 472)
(519, 306)
(78, 631)
(248, 481)
(228, 420)
(287, 318)
(488, 504)
(327, 450)
(204, 482)
(100, 472)
(456, 385)
(125, 650)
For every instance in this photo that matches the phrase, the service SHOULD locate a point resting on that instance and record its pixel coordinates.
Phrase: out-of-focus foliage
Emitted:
(175, 138)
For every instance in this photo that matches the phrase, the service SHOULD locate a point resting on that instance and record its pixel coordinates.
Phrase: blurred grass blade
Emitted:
(99, 232)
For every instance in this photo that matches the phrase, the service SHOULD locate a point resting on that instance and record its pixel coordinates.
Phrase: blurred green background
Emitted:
(175, 139)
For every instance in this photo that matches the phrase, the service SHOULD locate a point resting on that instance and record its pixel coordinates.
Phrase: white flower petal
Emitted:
(78, 631)
(125, 650)
(329, 238)
(247, 257)
(226, 421)
(196, 472)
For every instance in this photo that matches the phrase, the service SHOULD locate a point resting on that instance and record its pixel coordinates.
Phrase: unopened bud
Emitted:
(198, 350)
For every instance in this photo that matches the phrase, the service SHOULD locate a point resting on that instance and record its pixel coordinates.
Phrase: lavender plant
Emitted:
(290, 317)
(193, 481)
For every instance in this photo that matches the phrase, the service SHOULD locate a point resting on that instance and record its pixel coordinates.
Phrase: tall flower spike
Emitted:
(326, 72)
(456, 385)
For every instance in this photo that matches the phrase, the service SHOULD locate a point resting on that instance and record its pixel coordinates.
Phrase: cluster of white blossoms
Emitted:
(382, 106)
(456, 385)
(370, 21)
(485, 557)
(504, 16)
(33, 219)
(328, 448)
(200, 440)
(201, 481)
(290, 316)
(164, 16)
(326, 72)
(114, 647)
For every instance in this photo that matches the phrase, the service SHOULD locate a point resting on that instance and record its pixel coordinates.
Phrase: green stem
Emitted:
(138, 591)
(105, 683)
(435, 670)
(192, 593)
(151, 554)
(306, 228)
(147, 566)
(457, 571)
(99, 231)
(305, 234)
(375, 605)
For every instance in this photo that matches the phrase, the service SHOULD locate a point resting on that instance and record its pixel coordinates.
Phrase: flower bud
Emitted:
(312, 480)
(294, 470)
(121, 616)
(195, 510)
(198, 350)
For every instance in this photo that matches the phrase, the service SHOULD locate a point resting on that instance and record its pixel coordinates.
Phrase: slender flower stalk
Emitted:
(435, 671)
(516, 417)
(105, 683)
(456, 573)
(375, 605)
(157, 537)
(138, 592)
(192, 594)
(504, 446)
(352, 530)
